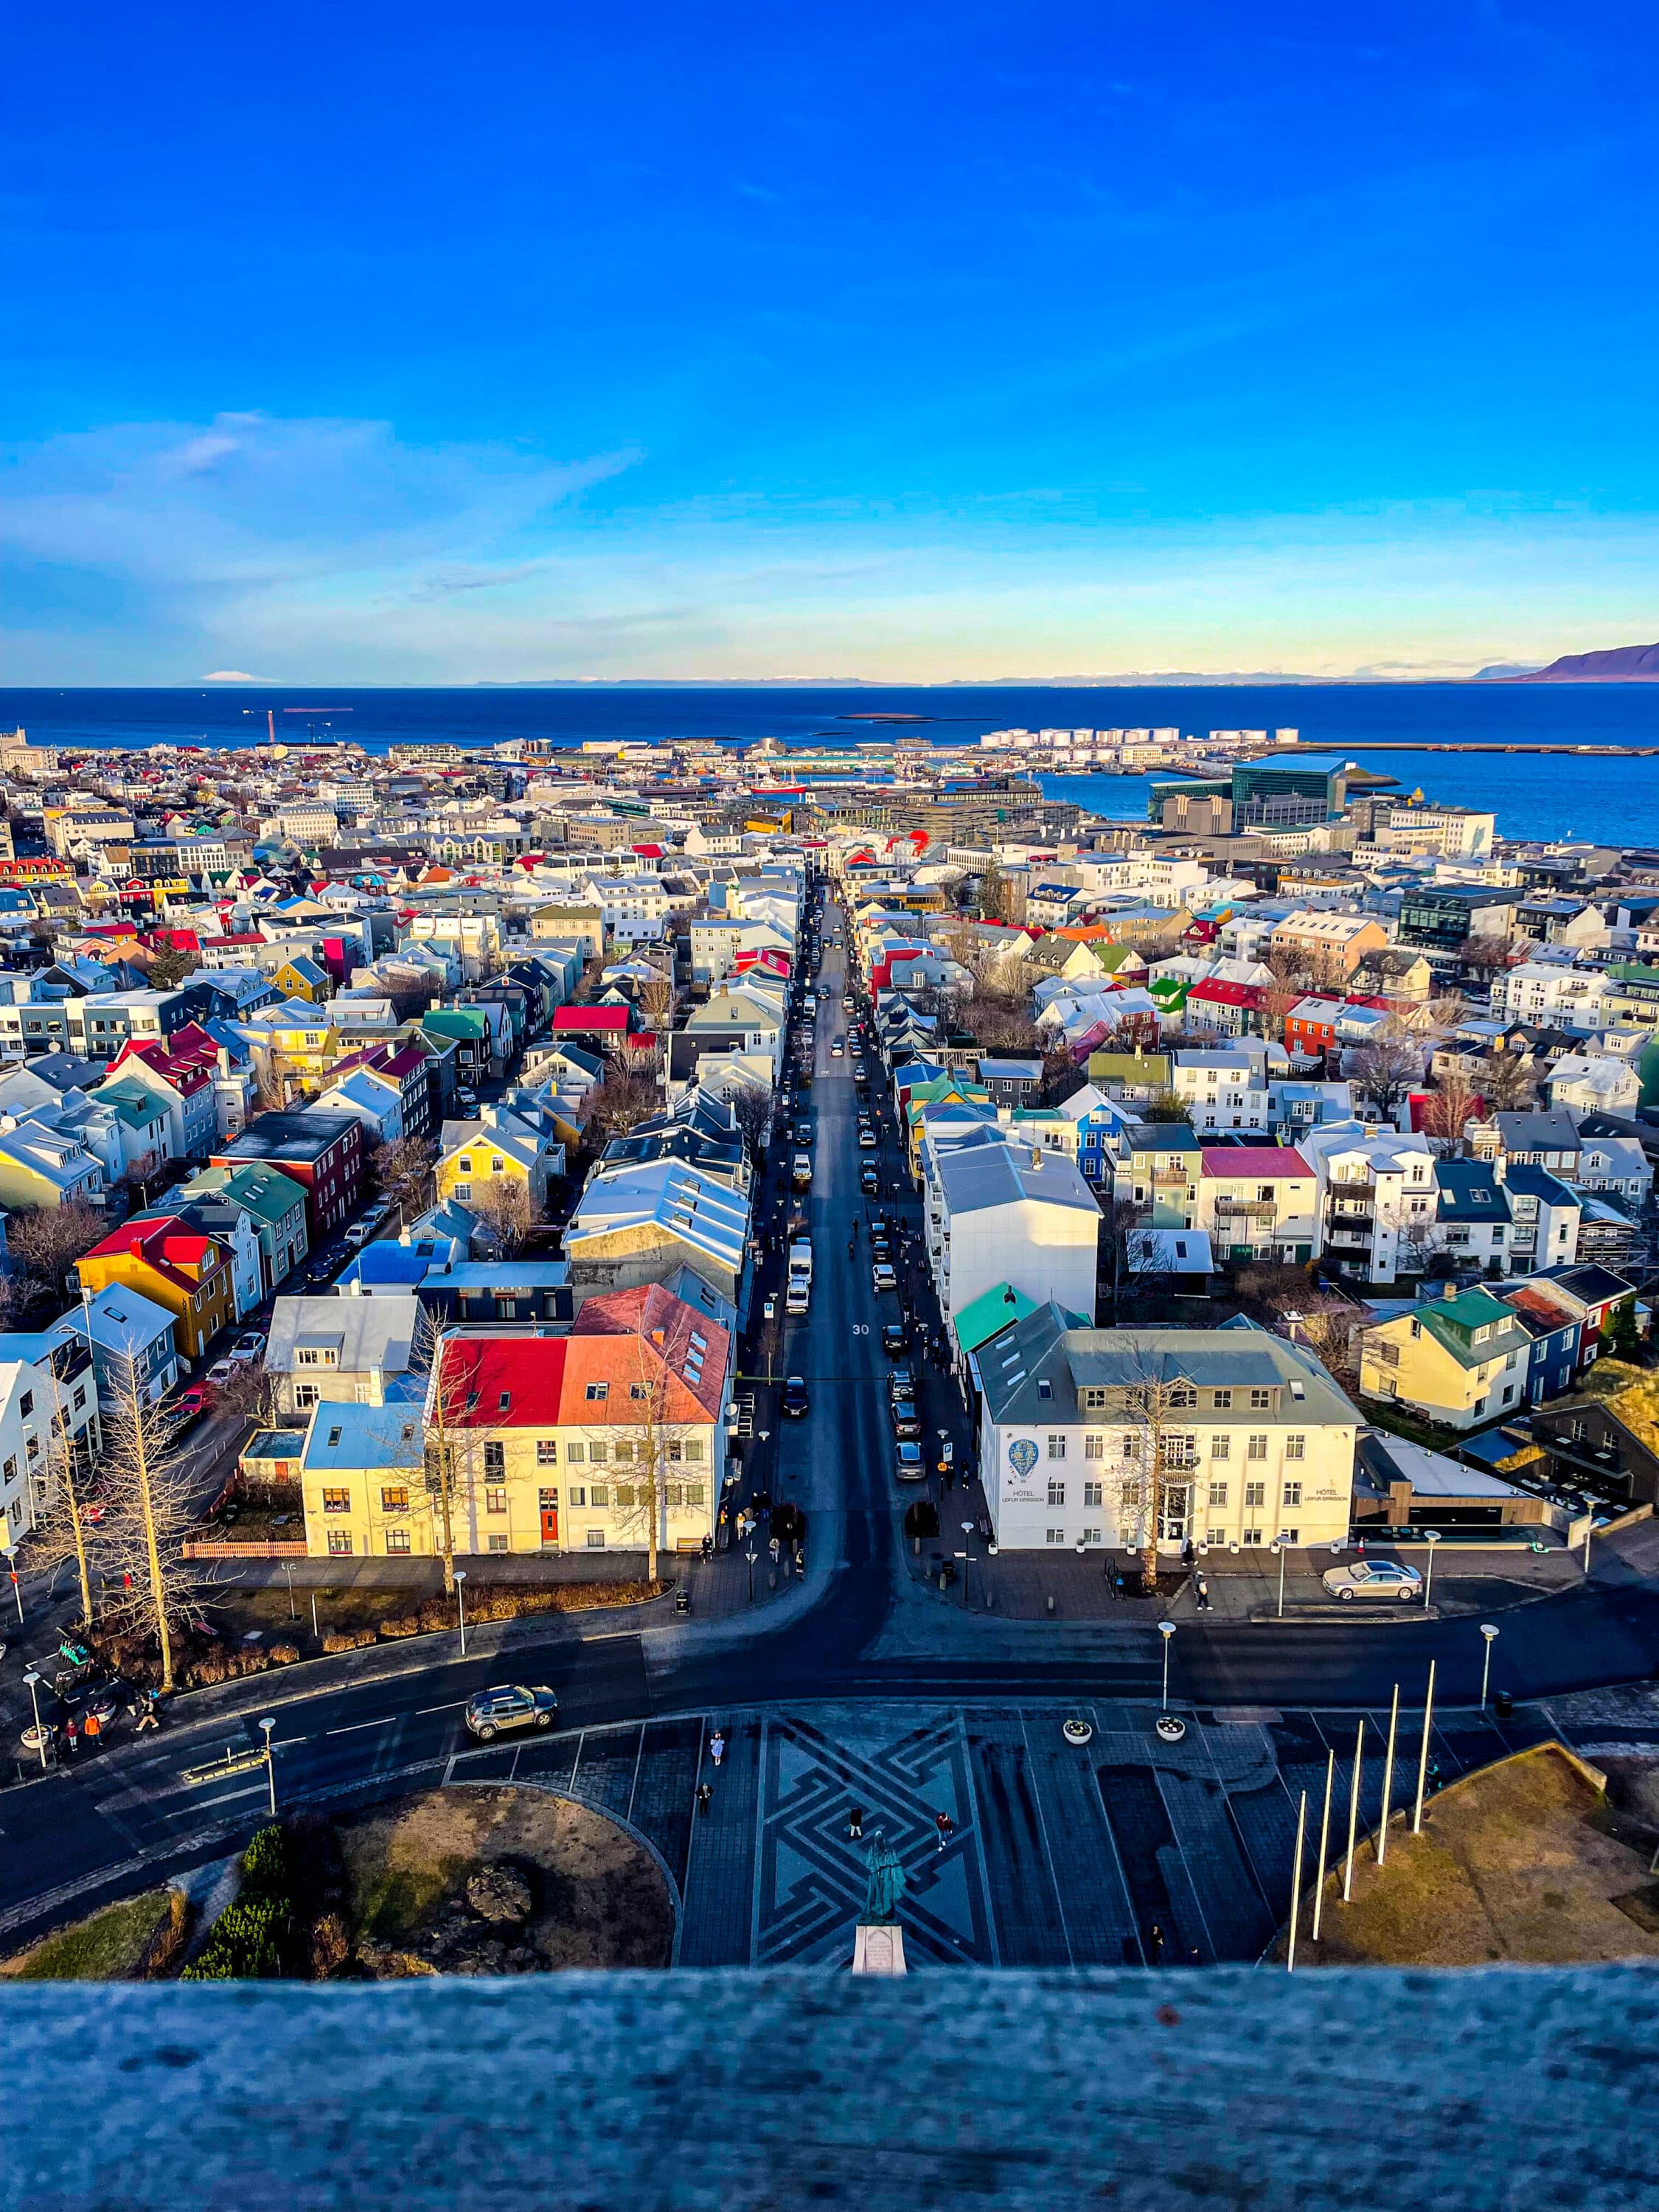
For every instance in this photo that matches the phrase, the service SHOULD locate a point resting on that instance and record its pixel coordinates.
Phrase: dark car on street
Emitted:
(892, 1338)
(869, 1181)
(907, 1421)
(796, 1403)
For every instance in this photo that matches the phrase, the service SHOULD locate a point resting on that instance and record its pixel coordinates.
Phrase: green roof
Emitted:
(990, 1313)
(457, 1022)
(258, 1188)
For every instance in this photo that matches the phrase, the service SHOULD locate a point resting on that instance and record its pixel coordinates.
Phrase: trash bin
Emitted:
(1503, 1704)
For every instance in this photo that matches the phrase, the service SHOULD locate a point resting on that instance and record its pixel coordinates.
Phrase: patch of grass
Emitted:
(1515, 1863)
(107, 1947)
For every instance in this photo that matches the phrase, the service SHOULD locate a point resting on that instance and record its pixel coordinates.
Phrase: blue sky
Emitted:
(425, 345)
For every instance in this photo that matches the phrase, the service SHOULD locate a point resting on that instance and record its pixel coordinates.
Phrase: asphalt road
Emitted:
(367, 1724)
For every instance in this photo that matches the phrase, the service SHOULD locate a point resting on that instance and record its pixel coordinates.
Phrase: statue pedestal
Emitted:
(878, 1949)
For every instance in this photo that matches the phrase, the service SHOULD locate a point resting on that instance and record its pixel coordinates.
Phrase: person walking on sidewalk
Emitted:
(946, 1826)
(71, 1735)
(717, 1747)
(855, 1824)
(705, 1796)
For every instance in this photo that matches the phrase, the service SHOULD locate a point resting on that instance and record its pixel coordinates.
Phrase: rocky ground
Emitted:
(497, 1880)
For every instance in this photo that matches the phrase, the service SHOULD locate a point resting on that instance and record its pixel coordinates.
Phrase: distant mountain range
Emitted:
(1618, 664)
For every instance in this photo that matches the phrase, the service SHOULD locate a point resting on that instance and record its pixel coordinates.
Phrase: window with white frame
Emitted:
(1257, 1447)
(1057, 1536)
(1296, 1447)
(1056, 1491)
(1057, 1447)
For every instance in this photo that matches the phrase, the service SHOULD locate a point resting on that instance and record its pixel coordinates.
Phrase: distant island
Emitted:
(1619, 664)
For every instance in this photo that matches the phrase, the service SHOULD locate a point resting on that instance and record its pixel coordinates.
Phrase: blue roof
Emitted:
(373, 1436)
(388, 1262)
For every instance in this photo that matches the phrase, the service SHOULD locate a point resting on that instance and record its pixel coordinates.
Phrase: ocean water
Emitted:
(1535, 795)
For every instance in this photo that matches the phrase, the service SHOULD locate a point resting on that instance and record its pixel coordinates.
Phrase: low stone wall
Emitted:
(1142, 2090)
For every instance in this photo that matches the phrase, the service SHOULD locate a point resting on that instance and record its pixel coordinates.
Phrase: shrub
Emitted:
(349, 1639)
(401, 1623)
(249, 1940)
(284, 1655)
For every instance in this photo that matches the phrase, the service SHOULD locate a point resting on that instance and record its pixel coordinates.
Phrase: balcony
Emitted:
(1246, 1209)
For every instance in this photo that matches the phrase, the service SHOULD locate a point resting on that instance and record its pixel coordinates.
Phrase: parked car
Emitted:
(220, 1372)
(1373, 1578)
(907, 1421)
(883, 1278)
(796, 1403)
(358, 1235)
(249, 1345)
(867, 1140)
(908, 1463)
(893, 1339)
(869, 1181)
(901, 1383)
(836, 1049)
(190, 1405)
(510, 1706)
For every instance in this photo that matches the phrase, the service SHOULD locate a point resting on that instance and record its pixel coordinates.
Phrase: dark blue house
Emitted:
(1555, 1334)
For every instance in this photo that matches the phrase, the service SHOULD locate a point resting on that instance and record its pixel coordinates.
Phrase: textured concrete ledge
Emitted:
(736, 2092)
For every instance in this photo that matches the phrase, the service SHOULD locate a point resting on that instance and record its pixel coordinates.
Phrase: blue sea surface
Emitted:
(1535, 795)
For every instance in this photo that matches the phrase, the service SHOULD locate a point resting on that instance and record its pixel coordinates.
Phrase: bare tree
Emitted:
(402, 1170)
(147, 1476)
(650, 1435)
(67, 1532)
(445, 1364)
(1448, 1109)
(622, 1101)
(1158, 1459)
(1386, 1071)
(658, 999)
(507, 1210)
(753, 1108)
(48, 1240)
(1507, 1081)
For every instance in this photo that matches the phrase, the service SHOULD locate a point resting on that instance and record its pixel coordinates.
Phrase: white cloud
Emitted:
(234, 675)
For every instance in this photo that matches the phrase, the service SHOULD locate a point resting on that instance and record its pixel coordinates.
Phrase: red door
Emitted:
(550, 1503)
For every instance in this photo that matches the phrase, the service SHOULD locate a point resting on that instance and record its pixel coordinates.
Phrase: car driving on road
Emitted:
(1373, 1578)
(510, 1705)
(908, 1463)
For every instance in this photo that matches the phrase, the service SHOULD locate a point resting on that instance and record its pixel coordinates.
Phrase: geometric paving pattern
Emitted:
(1129, 1851)
(810, 1884)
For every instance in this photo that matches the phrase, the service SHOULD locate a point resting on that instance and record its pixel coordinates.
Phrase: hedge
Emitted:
(251, 1939)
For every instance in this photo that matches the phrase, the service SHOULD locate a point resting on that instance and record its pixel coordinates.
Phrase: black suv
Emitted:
(893, 1339)
(907, 1421)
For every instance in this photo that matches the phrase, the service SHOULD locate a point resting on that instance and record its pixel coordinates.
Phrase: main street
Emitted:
(857, 1637)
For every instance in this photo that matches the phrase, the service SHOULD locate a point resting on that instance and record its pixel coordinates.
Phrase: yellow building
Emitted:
(1462, 1360)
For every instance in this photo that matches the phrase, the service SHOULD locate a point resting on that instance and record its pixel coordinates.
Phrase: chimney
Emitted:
(1036, 1160)
(1450, 1291)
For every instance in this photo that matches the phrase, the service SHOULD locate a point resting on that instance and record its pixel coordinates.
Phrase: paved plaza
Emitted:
(1057, 1856)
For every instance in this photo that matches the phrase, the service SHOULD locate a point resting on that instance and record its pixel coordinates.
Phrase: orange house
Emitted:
(166, 1260)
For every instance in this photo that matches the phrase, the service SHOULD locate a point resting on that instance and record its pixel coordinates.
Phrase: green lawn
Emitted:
(105, 1949)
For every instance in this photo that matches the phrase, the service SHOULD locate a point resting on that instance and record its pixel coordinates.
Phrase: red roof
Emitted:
(1227, 1162)
(1226, 994)
(613, 1019)
(184, 1071)
(528, 1372)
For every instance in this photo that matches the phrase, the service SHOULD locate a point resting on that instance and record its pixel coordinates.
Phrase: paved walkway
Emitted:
(1126, 1850)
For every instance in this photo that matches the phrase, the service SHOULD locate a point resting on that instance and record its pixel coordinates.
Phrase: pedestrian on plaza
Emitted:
(95, 1727)
(705, 1797)
(717, 1747)
(1155, 1943)
(149, 1718)
(1187, 1554)
(855, 1824)
(708, 1547)
(1119, 1585)
(946, 1828)
(1201, 1586)
(71, 1734)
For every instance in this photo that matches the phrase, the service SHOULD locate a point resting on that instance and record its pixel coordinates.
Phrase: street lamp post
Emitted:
(1430, 1537)
(1388, 1779)
(1166, 1629)
(1282, 1547)
(1589, 1522)
(749, 1556)
(460, 1605)
(267, 1725)
(288, 1568)
(1490, 1635)
(32, 1676)
(17, 1586)
(1423, 1754)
